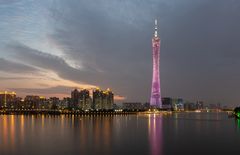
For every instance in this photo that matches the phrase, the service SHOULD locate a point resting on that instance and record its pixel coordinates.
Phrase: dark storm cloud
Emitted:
(199, 45)
(58, 65)
(111, 41)
(106, 37)
(201, 51)
(13, 67)
(45, 61)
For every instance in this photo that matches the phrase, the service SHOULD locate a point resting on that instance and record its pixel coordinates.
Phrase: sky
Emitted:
(50, 47)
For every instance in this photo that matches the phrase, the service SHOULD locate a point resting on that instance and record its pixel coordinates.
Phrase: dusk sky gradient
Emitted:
(49, 47)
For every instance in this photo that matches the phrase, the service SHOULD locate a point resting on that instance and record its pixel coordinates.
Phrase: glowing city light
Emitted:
(155, 100)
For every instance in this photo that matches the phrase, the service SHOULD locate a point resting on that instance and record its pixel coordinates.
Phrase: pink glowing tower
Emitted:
(155, 100)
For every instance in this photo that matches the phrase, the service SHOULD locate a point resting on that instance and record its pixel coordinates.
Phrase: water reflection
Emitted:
(237, 122)
(92, 134)
(102, 129)
(155, 134)
(12, 131)
(131, 134)
(8, 133)
(5, 131)
(22, 129)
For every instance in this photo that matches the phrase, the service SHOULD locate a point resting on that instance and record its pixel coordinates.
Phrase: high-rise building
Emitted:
(97, 99)
(108, 99)
(75, 99)
(43, 102)
(85, 99)
(81, 99)
(199, 105)
(189, 106)
(54, 103)
(65, 103)
(167, 103)
(32, 102)
(6, 99)
(155, 100)
(103, 99)
(16, 104)
(177, 104)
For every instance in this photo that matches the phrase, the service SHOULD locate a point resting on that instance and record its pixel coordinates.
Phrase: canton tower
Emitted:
(155, 100)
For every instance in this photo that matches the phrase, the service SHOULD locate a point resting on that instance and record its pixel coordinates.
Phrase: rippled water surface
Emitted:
(181, 133)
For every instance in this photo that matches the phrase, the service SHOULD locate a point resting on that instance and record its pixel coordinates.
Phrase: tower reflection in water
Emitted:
(155, 134)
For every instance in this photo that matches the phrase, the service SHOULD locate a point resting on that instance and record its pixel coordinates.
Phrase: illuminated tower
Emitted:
(155, 100)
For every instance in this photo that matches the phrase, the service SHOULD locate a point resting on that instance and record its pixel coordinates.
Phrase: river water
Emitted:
(179, 133)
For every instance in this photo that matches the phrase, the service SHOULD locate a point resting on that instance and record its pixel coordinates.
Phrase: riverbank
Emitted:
(109, 112)
(65, 112)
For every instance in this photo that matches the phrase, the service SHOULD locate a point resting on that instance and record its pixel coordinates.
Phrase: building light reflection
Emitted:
(155, 133)
(12, 131)
(22, 129)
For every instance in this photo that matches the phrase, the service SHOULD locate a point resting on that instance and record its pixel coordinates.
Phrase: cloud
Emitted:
(56, 64)
(111, 38)
(108, 44)
(48, 90)
(119, 98)
(7, 2)
(17, 78)
(13, 67)
(50, 62)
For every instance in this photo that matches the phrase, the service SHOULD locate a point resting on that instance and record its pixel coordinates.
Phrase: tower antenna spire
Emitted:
(155, 32)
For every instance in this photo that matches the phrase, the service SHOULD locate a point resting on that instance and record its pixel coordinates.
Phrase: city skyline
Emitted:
(49, 47)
